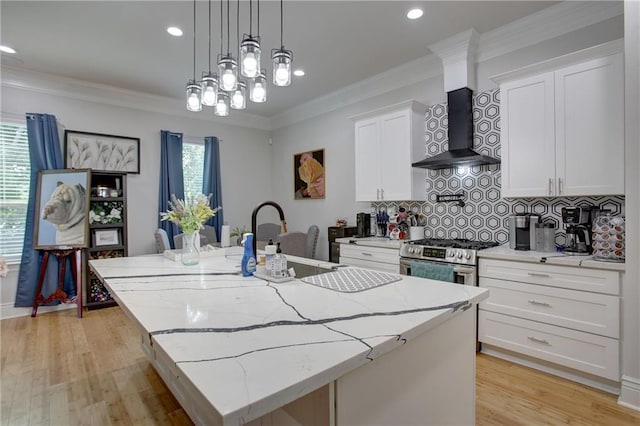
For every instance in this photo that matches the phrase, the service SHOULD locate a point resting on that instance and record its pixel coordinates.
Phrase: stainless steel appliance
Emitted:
(577, 222)
(363, 225)
(460, 253)
(522, 231)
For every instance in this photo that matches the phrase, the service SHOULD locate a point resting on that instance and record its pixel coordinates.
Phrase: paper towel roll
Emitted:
(225, 239)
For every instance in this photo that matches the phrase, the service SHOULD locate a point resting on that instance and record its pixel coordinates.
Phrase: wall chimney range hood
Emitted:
(458, 62)
(460, 132)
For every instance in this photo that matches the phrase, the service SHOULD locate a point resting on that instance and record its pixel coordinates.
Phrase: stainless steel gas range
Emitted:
(460, 253)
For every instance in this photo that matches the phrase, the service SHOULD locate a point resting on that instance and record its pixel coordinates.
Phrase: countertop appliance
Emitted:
(577, 222)
(460, 253)
(363, 225)
(522, 231)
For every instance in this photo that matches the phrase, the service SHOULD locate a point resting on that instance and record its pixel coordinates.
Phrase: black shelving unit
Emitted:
(108, 231)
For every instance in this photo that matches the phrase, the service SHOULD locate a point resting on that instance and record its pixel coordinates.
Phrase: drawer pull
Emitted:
(541, 341)
(366, 254)
(536, 274)
(535, 302)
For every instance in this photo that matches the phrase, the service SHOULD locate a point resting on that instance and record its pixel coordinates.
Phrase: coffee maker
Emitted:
(363, 225)
(577, 223)
(522, 231)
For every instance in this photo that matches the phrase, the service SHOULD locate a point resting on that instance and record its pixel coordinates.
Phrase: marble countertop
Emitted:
(372, 242)
(504, 252)
(251, 346)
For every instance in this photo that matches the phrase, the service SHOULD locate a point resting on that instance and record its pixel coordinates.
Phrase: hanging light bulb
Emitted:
(258, 88)
(239, 96)
(193, 96)
(250, 56)
(193, 88)
(250, 49)
(222, 105)
(281, 58)
(209, 82)
(227, 65)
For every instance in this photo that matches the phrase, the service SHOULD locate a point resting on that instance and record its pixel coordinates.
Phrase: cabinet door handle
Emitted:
(535, 274)
(560, 186)
(550, 186)
(535, 302)
(382, 194)
(541, 341)
(366, 254)
(378, 194)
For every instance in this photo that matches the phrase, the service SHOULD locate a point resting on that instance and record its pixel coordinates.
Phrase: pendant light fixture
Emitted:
(281, 58)
(193, 88)
(209, 84)
(239, 95)
(258, 87)
(222, 104)
(250, 49)
(227, 64)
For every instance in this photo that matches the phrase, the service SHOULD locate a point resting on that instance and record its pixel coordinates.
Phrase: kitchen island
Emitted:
(241, 350)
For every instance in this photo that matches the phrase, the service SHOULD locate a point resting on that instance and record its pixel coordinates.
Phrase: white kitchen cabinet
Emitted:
(387, 141)
(562, 129)
(378, 258)
(566, 315)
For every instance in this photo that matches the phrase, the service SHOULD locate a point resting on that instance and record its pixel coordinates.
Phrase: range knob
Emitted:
(450, 253)
(459, 254)
(467, 255)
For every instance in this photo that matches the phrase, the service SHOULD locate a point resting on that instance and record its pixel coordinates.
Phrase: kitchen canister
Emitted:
(608, 238)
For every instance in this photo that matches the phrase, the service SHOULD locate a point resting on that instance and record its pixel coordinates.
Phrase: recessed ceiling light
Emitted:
(298, 73)
(174, 31)
(7, 49)
(414, 13)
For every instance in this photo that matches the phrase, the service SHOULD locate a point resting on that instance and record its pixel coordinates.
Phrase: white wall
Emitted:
(244, 157)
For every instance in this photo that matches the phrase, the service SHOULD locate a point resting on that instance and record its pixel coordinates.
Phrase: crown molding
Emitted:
(81, 90)
(546, 24)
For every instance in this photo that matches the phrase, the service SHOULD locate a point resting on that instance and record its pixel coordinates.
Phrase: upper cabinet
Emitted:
(562, 126)
(387, 141)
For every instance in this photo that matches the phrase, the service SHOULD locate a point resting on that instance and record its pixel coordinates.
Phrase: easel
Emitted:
(74, 255)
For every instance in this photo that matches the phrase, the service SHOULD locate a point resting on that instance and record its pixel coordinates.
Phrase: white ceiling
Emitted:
(338, 43)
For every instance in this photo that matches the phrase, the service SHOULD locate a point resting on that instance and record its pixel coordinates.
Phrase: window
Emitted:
(15, 171)
(192, 167)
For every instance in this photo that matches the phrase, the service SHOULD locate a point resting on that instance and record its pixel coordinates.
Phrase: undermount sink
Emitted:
(303, 270)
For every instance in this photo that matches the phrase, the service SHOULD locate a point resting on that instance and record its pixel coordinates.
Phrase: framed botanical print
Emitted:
(101, 152)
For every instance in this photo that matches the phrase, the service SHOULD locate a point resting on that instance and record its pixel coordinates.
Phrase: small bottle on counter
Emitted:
(248, 263)
(279, 264)
(270, 252)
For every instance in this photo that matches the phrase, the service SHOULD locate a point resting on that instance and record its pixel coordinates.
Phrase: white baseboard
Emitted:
(7, 310)
(630, 393)
(557, 370)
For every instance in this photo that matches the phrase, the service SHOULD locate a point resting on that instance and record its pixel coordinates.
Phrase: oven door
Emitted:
(462, 274)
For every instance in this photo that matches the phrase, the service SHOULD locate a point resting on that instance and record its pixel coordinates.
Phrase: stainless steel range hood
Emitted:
(460, 132)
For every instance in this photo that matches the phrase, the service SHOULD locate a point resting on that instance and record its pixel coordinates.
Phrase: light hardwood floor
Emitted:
(59, 370)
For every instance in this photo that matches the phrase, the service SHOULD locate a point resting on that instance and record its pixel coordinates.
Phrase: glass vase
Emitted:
(190, 249)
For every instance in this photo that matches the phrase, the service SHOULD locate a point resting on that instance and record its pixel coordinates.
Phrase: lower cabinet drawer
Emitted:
(370, 264)
(374, 254)
(585, 352)
(579, 310)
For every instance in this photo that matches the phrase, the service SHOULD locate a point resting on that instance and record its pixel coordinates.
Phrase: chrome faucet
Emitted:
(254, 215)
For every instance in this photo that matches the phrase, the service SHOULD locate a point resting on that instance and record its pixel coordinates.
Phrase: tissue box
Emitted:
(205, 252)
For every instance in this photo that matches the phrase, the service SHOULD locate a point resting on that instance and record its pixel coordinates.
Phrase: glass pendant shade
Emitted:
(193, 96)
(227, 73)
(209, 89)
(258, 88)
(239, 96)
(250, 56)
(281, 67)
(222, 105)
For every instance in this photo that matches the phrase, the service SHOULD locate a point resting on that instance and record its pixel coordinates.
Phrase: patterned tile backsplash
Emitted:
(484, 215)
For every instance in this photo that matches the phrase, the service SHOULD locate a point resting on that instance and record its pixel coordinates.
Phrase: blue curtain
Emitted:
(211, 182)
(45, 154)
(171, 177)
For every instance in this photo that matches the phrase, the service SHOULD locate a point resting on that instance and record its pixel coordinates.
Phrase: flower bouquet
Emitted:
(190, 215)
